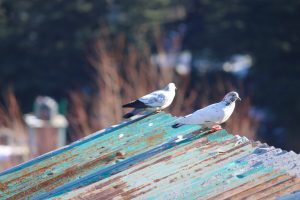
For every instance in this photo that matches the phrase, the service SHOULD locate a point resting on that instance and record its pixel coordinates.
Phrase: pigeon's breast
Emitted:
(228, 110)
(168, 99)
(219, 115)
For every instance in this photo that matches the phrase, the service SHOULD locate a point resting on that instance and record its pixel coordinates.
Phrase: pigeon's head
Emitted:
(171, 87)
(231, 97)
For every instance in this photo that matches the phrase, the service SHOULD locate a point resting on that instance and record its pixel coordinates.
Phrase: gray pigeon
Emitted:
(212, 115)
(155, 101)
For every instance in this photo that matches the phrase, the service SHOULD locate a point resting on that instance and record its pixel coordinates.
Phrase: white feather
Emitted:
(213, 114)
(159, 99)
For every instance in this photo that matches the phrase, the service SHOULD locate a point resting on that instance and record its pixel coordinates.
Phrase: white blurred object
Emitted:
(8, 151)
(179, 138)
(181, 61)
(241, 140)
(45, 114)
(164, 60)
(238, 65)
(183, 66)
(45, 124)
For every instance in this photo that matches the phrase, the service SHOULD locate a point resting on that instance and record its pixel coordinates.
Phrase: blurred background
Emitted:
(66, 67)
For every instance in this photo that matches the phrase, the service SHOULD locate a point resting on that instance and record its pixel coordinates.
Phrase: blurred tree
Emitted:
(43, 45)
(267, 30)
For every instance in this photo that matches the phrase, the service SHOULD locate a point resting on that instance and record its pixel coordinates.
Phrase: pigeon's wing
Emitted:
(212, 113)
(209, 114)
(154, 99)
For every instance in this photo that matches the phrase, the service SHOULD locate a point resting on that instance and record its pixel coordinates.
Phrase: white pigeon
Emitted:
(212, 115)
(155, 101)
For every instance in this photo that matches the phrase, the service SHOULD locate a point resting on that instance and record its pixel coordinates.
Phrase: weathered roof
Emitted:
(145, 159)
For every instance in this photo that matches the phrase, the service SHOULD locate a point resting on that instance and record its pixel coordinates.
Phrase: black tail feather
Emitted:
(135, 104)
(128, 115)
(177, 125)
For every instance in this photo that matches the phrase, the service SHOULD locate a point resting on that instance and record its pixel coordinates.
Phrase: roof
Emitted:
(146, 159)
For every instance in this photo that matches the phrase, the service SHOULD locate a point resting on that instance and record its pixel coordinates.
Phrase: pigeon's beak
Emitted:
(239, 98)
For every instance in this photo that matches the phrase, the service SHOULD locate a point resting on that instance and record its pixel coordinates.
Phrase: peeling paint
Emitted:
(147, 159)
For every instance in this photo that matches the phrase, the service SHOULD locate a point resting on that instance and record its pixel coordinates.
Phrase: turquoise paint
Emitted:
(190, 188)
(199, 171)
(107, 142)
(65, 148)
(105, 172)
(167, 168)
(250, 172)
(219, 136)
(235, 182)
(190, 184)
(196, 178)
(224, 174)
(208, 172)
(81, 143)
(226, 177)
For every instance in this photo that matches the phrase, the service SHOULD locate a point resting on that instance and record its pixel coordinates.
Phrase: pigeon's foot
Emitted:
(216, 128)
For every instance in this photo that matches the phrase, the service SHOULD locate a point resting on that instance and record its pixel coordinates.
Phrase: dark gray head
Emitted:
(231, 97)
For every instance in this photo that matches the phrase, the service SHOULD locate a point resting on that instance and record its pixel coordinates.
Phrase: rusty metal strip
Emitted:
(170, 178)
(248, 192)
(68, 147)
(289, 189)
(250, 183)
(79, 167)
(266, 189)
(270, 191)
(106, 172)
(157, 165)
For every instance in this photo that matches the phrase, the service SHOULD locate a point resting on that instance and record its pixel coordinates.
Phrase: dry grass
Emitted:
(12, 131)
(125, 72)
(11, 118)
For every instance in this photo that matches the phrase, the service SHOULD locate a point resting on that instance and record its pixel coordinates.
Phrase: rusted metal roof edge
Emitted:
(270, 174)
(61, 169)
(292, 196)
(86, 139)
(121, 166)
(265, 171)
(183, 147)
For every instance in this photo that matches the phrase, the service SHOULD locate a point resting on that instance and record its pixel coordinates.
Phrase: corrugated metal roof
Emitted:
(144, 159)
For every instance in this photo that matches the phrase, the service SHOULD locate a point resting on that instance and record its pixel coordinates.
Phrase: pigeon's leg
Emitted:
(216, 128)
(205, 129)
